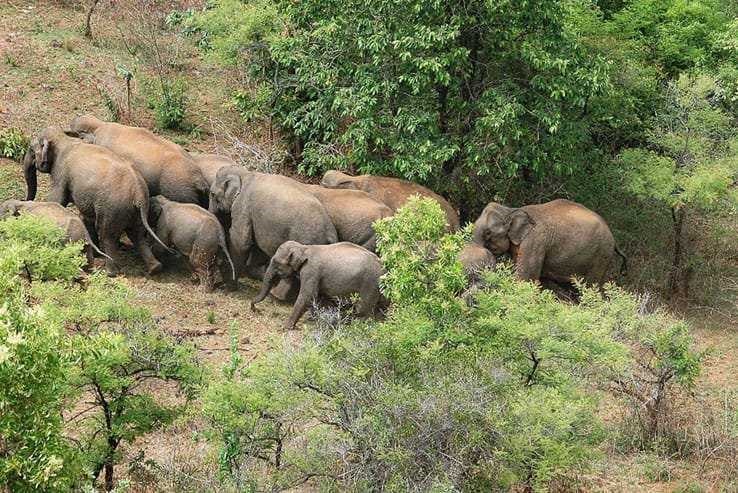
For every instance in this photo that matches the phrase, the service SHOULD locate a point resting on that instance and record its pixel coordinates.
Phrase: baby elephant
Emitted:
(194, 232)
(476, 259)
(64, 218)
(339, 269)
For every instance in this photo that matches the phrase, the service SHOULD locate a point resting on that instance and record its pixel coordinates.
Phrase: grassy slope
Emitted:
(50, 73)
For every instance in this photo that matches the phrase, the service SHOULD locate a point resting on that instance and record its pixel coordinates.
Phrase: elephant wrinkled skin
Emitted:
(393, 192)
(340, 269)
(167, 168)
(557, 241)
(109, 193)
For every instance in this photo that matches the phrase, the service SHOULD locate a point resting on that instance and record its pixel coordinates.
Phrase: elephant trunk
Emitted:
(269, 278)
(29, 171)
(224, 246)
(478, 235)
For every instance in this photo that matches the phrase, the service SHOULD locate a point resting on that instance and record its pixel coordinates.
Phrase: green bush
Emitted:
(63, 337)
(13, 143)
(495, 396)
(170, 105)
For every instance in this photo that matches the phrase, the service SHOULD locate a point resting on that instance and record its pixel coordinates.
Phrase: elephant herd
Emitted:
(310, 239)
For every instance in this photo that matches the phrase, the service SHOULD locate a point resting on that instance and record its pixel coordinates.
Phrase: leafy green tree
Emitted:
(429, 91)
(116, 368)
(690, 163)
(65, 338)
(34, 368)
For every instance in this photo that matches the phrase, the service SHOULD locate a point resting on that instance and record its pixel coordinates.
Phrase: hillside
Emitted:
(50, 72)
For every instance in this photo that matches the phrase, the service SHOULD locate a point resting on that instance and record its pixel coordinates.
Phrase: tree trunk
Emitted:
(676, 285)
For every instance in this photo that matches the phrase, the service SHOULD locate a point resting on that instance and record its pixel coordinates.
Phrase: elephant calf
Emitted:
(475, 259)
(194, 232)
(340, 269)
(67, 220)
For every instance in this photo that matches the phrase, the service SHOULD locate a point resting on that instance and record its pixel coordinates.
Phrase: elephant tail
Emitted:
(89, 241)
(224, 246)
(143, 209)
(624, 264)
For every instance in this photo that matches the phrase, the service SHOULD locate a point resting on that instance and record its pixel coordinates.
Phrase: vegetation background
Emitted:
(628, 106)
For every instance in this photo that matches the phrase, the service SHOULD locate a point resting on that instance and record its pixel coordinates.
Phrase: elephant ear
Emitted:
(296, 258)
(231, 187)
(520, 225)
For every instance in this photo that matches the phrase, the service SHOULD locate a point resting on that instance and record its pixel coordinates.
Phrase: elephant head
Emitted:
(84, 125)
(286, 262)
(10, 208)
(225, 189)
(40, 156)
(498, 227)
(336, 179)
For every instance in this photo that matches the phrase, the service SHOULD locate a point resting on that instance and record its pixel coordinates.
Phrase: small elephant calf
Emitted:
(64, 218)
(194, 232)
(339, 269)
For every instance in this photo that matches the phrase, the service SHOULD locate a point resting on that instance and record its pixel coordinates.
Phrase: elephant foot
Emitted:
(154, 268)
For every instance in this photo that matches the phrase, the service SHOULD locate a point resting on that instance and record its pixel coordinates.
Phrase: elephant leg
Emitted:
(367, 303)
(308, 292)
(240, 243)
(138, 235)
(59, 194)
(109, 234)
(204, 265)
(285, 289)
(529, 263)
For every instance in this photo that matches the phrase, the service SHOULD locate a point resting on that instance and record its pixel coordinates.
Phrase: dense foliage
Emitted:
(414, 88)
(62, 337)
(442, 396)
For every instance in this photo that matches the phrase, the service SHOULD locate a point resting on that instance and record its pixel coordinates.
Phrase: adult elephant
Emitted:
(352, 212)
(209, 164)
(393, 192)
(167, 168)
(267, 210)
(110, 194)
(557, 241)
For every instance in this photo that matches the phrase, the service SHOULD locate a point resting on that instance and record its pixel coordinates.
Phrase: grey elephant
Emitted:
(209, 164)
(267, 210)
(555, 241)
(340, 269)
(167, 168)
(110, 195)
(475, 259)
(353, 213)
(393, 192)
(67, 220)
(195, 233)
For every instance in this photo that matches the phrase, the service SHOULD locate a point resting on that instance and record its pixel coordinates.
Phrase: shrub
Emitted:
(169, 105)
(13, 143)
(499, 395)
(61, 337)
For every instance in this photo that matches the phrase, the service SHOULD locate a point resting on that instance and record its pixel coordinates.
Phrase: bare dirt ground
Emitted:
(50, 73)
